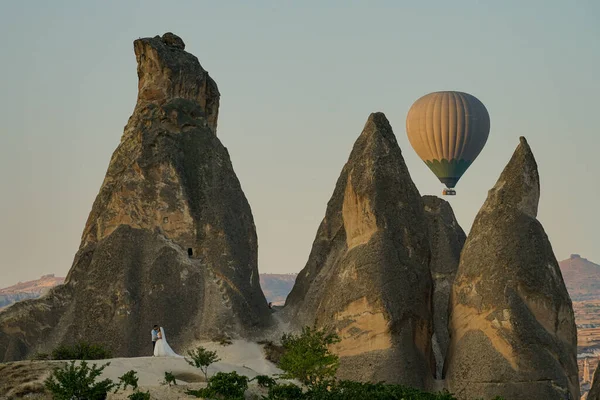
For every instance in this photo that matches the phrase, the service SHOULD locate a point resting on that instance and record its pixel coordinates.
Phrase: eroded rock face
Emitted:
(512, 325)
(170, 239)
(368, 275)
(594, 393)
(167, 72)
(447, 240)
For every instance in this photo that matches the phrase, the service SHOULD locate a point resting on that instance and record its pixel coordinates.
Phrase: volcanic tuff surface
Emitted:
(368, 275)
(512, 326)
(594, 393)
(447, 239)
(170, 238)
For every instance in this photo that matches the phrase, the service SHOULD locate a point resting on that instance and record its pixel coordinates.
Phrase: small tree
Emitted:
(139, 396)
(74, 382)
(169, 379)
(223, 385)
(202, 358)
(129, 378)
(264, 381)
(285, 392)
(307, 357)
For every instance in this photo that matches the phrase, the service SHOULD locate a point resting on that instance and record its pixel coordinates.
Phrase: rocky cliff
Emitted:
(446, 239)
(512, 326)
(367, 275)
(170, 239)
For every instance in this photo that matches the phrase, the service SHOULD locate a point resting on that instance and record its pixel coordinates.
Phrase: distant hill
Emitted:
(275, 286)
(582, 278)
(28, 290)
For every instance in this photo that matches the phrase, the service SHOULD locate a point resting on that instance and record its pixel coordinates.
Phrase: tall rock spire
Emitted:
(170, 239)
(512, 325)
(367, 275)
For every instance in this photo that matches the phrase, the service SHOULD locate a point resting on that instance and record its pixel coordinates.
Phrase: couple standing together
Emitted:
(160, 345)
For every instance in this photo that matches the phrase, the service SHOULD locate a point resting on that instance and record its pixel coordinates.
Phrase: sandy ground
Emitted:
(245, 358)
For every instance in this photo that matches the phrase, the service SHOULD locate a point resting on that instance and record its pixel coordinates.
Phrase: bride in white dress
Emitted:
(162, 348)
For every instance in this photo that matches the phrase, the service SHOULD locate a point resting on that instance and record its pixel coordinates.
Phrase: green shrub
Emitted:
(285, 392)
(264, 381)
(307, 357)
(74, 382)
(169, 379)
(350, 390)
(80, 351)
(129, 378)
(139, 396)
(202, 358)
(223, 385)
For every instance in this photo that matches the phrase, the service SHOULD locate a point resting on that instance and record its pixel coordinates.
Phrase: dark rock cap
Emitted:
(166, 72)
(170, 39)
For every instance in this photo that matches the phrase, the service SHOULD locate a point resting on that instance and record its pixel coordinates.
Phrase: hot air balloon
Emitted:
(448, 130)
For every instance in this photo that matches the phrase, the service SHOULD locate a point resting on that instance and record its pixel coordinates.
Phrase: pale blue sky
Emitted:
(298, 81)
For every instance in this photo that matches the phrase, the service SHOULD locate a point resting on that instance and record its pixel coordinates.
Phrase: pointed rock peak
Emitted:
(166, 72)
(377, 145)
(378, 125)
(519, 183)
(378, 120)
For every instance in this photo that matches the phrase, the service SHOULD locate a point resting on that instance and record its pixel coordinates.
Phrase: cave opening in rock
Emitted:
(190, 252)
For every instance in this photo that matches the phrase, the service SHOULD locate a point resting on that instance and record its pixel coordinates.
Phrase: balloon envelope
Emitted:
(448, 130)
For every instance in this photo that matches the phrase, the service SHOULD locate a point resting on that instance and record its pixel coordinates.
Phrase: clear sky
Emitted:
(298, 80)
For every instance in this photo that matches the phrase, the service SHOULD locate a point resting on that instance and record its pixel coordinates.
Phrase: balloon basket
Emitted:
(449, 192)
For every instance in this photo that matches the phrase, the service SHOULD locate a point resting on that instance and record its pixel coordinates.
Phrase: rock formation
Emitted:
(170, 238)
(594, 393)
(447, 239)
(511, 325)
(367, 275)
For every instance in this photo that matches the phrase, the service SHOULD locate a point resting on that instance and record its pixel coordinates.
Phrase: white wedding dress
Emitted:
(162, 348)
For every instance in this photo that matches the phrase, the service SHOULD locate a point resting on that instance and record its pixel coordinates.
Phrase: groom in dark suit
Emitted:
(154, 337)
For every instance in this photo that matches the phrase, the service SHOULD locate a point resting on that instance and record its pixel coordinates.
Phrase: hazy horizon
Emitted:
(297, 83)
